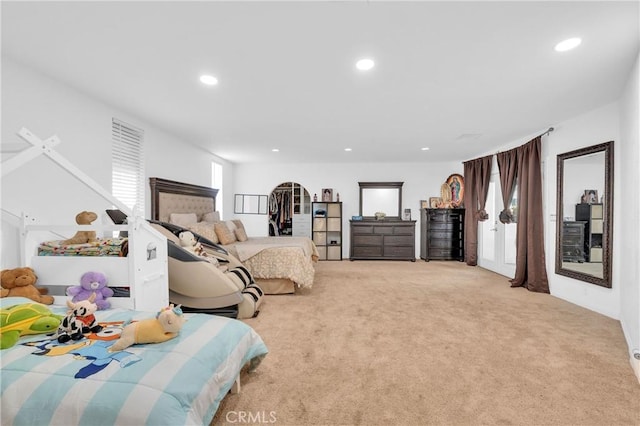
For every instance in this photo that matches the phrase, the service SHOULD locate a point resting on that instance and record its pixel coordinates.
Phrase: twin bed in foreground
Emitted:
(178, 382)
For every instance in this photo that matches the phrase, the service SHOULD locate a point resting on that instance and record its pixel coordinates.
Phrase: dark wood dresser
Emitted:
(442, 234)
(573, 241)
(383, 240)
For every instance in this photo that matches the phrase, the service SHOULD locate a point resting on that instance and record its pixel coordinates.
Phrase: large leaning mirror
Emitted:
(381, 197)
(585, 214)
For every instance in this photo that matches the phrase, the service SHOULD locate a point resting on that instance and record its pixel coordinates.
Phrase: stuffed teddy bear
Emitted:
(165, 326)
(188, 241)
(80, 320)
(20, 282)
(92, 283)
(81, 237)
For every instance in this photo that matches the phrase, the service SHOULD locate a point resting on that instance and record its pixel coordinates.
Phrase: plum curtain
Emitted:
(477, 175)
(531, 271)
(507, 165)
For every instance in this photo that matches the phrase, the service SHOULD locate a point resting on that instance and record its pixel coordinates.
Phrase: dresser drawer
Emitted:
(403, 252)
(443, 243)
(367, 251)
(361, 229)
(572, 230)
(573, 240)
(450, 234)
(404, 230)
(399, 240)
(445, 216)
(382, 230)
(445, 253)
(367, 240)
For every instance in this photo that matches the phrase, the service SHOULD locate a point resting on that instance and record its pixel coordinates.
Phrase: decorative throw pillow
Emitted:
(212, 217)
(225, 235)
(183, 219)
(230, 224)
(206, 230)
(241, 233)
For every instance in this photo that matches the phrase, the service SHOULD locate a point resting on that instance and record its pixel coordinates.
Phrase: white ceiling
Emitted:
(458, 77)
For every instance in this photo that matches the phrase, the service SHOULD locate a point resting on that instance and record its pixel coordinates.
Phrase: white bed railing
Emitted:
(144, 272)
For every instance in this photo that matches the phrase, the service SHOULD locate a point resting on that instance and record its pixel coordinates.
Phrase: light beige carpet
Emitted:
(430, 343)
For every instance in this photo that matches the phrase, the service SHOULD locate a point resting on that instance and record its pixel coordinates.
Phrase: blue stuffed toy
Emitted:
(92, 283)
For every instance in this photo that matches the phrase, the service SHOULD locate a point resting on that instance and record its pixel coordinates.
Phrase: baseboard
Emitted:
(635, 364)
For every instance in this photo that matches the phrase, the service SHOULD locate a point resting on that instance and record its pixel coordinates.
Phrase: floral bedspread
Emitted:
(101, 247)
(283, 262)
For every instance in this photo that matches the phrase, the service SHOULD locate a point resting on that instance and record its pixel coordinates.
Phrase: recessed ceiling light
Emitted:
(347, 149)
(426, 148)
(275, 150)
(365, 64)
(209, 80)
(568, 44)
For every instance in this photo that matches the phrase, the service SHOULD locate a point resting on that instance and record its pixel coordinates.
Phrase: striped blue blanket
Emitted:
(178, 382)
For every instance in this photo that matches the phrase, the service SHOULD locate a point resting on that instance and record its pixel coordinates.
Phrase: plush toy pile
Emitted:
(20, 282)
(165, 326)
(92, 283)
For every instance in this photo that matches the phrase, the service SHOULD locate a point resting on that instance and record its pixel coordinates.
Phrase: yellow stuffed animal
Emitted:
(165, 326)
(81, 237)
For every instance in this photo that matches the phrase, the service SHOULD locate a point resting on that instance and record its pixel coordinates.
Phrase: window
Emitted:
(216, 182)
(127, 175)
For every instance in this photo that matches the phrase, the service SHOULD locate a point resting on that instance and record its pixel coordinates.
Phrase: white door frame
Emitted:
(494, 236)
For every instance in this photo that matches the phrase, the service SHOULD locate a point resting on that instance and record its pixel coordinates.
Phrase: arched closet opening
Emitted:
(290, 210)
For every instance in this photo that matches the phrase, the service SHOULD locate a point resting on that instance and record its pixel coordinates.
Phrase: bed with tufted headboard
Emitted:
(278, 264)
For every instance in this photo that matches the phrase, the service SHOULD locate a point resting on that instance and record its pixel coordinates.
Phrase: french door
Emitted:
(497, 241)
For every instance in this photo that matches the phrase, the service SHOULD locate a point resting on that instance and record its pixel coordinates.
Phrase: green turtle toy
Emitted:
(25, 319)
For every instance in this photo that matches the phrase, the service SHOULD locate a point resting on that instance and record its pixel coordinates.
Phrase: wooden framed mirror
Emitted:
(384, 197)
(584, 220)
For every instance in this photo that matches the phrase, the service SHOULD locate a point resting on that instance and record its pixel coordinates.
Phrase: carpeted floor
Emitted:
(432, 343)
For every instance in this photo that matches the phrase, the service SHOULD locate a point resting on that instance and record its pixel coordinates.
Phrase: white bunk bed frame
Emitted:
(144, 271)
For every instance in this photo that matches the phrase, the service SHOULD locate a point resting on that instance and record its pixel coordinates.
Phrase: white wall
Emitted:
(628, 224)
(44, 190)
(593, 128)
(421, 181)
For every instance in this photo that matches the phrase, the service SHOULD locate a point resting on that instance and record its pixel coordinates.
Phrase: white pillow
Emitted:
(212, 217)
(183, 219)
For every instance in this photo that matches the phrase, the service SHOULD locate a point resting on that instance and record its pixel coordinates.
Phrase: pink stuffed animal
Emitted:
(92, 283)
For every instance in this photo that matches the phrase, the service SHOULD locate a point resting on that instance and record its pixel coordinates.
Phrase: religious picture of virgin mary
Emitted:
(456, 185)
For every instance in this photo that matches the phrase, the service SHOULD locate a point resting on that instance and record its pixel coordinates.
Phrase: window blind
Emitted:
(127, 176)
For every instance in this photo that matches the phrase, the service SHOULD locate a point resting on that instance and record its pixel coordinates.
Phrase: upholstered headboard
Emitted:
(169, 196)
